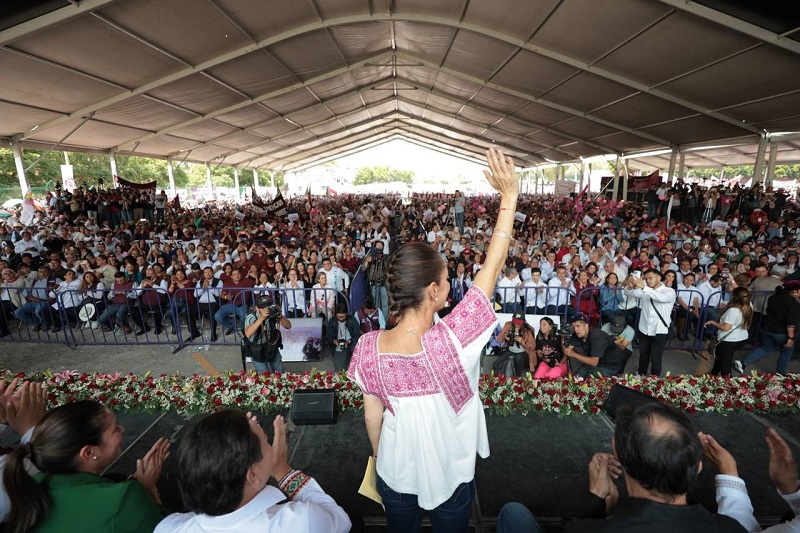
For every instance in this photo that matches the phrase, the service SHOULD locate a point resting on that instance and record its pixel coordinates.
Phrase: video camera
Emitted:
(566, 330)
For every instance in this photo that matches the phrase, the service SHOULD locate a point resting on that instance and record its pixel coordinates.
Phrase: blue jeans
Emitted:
(273, 365)
(404, 515)
(223, 316)
(33, 313)
(460, 221)
(769, 342)
(114, 310)
(381, 298)
(516, 518)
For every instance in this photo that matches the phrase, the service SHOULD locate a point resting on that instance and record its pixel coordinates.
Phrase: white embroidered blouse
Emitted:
(433, 422)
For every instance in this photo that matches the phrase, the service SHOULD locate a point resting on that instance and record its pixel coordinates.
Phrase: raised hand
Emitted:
(148, 468)
(714, 452)
(30, 410)
(782, 464)
(280, 461)
(501, 174)
(8, 394)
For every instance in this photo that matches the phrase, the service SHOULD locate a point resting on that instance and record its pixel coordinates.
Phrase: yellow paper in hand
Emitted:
(369, 485)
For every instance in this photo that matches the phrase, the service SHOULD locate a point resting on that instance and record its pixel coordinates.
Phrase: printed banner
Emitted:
(68, 178)
(520, 217)
(564, 187)
(643, 183)
(304, 341)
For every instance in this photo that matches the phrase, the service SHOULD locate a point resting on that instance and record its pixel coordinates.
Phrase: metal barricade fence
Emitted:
(25, 320)
(202, 311)
(109, 319)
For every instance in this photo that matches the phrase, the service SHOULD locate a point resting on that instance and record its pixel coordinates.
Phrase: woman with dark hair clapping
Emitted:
(420, 380)
(71, 448)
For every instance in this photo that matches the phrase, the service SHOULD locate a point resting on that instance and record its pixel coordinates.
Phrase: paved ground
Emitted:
(31, 357)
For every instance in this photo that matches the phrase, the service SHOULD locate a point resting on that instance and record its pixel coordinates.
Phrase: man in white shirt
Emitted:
(337, 278)
(535, 291)
(237, 497)
(29, 245)
(559, 293)
(507, 289)
(548, 265)
(711, 292)
(655, 312)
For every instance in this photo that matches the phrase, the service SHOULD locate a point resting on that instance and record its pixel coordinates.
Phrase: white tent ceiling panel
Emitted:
(291, 101)
(500, 102)
(263, 19)
(768, 110)
(239, 140)
(462, 55)
(26, 81)
(254, 49)
(678, 44)
(441, 8)
(540, 114)
(643, 110)
(18, 118)
(338, 8)
(585, 129)
(90, 45)
(92, 133)
(247, 116)
(294, 53)
(533, 74)
(332, 87)
(455, 87)
(527, 15)
(197, 93)
(353, 102)
(363, 39)
(623, 142)
(165, 145)
(415, 77)
(273, 129)
(587, 29)
(205, 130)
(573, 92)
(694, 129)
(210, 153)
(426, 41)
(480, 116)
(254, 73)
(549, 139)
(143, 112)
(191, 30)
(759, 73)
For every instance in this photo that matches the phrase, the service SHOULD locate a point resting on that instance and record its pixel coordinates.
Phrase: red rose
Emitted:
(576, 408)
(217, 402)
(519, 399)
(272, 398)
(501, 402)
(710, 402)
(345, 402)
(114, 401)
(488, 401)
(238, 399)
(595, 409)
(211, 389)
(691, 409)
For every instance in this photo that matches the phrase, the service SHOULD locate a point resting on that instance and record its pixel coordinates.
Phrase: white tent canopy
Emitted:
(288, 84)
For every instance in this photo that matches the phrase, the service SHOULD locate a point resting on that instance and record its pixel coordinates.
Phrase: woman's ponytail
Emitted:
(29, 499)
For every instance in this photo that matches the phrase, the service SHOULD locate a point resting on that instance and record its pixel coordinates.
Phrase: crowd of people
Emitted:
(441, 281)
(666, 266)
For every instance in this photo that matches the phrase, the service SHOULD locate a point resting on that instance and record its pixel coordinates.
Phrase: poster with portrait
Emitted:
(304, 341)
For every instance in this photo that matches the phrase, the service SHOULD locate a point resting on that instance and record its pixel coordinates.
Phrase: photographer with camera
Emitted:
(375, 264)
(262, 340)
(342, 333)
(592, 347)
(518, 346)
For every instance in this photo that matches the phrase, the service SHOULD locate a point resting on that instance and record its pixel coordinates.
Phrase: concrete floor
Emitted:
(32, 357)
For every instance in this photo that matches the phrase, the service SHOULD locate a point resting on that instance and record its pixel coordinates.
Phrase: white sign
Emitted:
(564, 187)
(588, 221)
(719, 225)
(385, 212)
(68, 178)
(294, 217)
(304, 341)
(520, 217)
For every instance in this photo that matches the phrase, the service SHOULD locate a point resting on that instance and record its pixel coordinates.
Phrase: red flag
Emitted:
(585, 189)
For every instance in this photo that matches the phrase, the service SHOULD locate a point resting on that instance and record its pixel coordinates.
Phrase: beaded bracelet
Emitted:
(501, 233)
(293, 483)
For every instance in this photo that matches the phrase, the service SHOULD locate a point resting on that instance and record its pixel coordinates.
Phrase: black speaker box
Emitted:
(621, 395)
(314, 406)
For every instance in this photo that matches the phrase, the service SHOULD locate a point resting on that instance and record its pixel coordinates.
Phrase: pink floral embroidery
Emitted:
(437, 369)
(472, 316)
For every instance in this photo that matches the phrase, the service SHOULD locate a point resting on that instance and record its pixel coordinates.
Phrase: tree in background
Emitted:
(382, 174)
